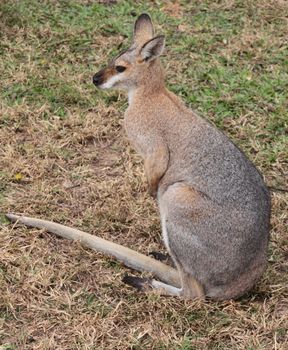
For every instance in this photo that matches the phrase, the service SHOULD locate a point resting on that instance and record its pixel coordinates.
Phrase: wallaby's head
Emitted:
(139, 64)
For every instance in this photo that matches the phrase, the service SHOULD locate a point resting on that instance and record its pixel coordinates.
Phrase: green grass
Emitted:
(64, 156)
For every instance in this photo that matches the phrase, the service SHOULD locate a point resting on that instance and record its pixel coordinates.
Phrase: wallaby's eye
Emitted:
(120, 69)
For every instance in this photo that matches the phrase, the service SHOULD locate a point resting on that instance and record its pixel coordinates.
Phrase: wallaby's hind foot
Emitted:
(140, 283)
(148, 284)
(191, 289)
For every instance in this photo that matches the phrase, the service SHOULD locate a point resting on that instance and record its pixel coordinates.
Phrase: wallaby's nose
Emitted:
(98, 78)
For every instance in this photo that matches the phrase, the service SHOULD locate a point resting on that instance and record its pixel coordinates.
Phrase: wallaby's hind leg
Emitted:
(190, 289)
(178, 207)
(166, 289)
(147, 284)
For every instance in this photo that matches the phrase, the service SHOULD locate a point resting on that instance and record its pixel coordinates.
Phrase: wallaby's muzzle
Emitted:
(98, 78)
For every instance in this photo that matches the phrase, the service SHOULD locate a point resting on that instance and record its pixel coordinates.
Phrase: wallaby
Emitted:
(214, 205)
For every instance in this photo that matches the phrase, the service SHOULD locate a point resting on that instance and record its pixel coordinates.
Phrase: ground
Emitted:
(65, 157)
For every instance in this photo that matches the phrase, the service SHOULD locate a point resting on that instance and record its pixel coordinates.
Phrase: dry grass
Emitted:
(64, 157)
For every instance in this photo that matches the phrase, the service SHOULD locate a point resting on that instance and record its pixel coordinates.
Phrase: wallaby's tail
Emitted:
(127, 256)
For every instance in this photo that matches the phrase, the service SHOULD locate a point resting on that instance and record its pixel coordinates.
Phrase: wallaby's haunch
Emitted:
(214, 205)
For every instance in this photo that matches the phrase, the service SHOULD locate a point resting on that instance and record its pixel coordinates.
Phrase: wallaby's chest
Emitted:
(143, 129)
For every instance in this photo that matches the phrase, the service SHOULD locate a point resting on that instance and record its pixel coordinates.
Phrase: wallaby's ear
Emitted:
(143, 29)
(153, 48)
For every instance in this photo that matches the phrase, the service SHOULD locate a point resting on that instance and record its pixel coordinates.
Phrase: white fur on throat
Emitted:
(110, 82)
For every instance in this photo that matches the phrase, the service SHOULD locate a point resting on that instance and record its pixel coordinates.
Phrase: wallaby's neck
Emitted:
(151, 84)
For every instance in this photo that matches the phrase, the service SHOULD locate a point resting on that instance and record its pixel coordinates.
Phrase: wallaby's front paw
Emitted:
(159, 256)
(166, 258)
